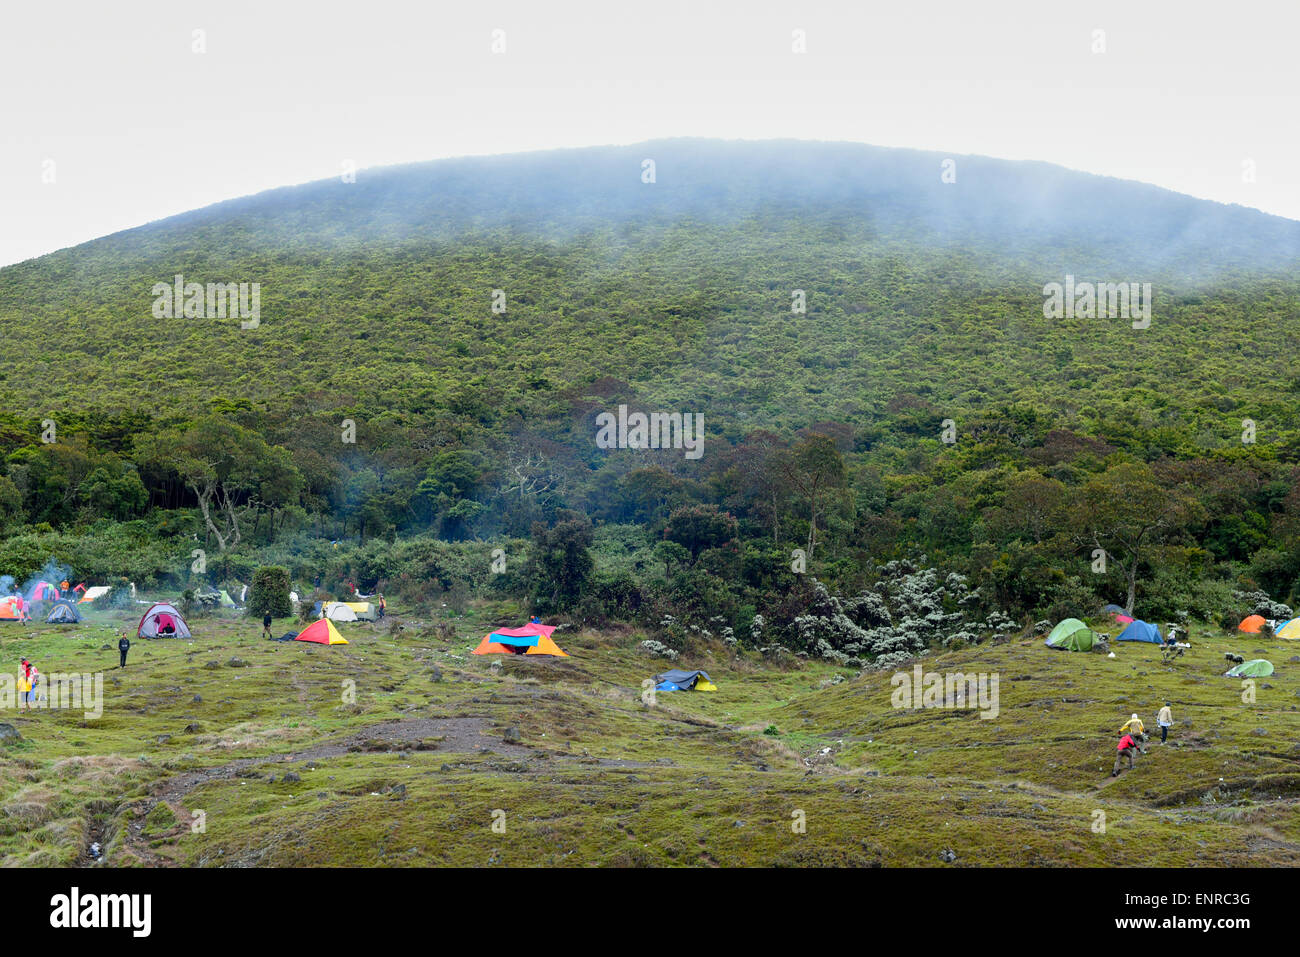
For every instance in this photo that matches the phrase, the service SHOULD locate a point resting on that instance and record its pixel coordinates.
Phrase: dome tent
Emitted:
(1138, 630)
(1290, 630)
(1251, 624)
(322, 632)
(532, 639)
(1071, 635)
(163, 621)
(339, 611)
(1118, 614)
(63, 612)
(1258, 668)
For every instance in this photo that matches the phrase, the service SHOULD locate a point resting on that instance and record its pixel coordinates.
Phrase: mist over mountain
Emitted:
(873, 193)
(381, 288)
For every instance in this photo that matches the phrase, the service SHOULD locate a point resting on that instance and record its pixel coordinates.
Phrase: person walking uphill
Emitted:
(266, 627)
(124, 646)
(1132, 726)
(1125, 749)
(1165, 719)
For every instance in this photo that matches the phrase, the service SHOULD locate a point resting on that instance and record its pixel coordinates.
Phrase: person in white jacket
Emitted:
(1165, 719)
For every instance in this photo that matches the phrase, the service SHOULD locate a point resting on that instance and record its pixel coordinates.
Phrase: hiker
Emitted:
(383, 607)
(23, 614)
(1127, 745)
(1133, 725)
(266, 627)
(1165, 719)
(124, 646)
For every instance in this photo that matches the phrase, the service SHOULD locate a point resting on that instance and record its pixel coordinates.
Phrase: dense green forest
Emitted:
(917, 456)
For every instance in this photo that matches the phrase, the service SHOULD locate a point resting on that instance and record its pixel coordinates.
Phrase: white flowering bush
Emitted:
(658, 649)
(1261, 604)
(909, 609)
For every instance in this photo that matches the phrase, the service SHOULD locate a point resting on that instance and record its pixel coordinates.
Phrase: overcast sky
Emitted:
(138, 126)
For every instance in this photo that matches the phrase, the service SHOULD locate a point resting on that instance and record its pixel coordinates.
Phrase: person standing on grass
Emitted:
(28, 678)
(124, 646)
(266, 627)
(24, 684)
(1165, 719)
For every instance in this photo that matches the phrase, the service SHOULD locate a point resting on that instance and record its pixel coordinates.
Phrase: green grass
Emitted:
(603, 778)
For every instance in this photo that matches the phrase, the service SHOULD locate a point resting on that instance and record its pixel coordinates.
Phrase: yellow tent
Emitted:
(702, 685)
(1290, 630)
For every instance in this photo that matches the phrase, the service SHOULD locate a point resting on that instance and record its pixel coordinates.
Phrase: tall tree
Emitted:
(816, 469)
(1126, 512)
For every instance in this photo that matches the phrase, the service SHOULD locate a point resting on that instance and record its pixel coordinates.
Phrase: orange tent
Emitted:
(1252, 624)
(531, 639)
(322, 632)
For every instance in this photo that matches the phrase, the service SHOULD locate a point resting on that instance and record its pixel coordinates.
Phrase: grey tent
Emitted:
(63, 613)
(681, 680)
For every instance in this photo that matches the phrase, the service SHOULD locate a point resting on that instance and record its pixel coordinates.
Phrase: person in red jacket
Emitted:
(1126, 748)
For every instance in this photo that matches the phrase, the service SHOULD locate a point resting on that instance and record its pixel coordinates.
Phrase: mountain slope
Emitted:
(376, 298)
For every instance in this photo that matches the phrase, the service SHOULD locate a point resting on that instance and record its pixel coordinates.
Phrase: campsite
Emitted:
(289, 768)
(730, 435)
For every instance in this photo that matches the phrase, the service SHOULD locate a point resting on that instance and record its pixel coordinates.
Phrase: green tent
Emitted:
(1071, 635)
(1259, 668)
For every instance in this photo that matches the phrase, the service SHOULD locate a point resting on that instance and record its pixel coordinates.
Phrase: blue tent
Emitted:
(1141, 631)
(680, 679)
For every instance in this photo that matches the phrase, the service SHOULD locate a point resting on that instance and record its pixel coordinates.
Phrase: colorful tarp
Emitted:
(678, 680)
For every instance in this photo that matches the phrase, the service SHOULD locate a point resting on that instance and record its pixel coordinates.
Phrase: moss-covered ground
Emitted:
(402, 749)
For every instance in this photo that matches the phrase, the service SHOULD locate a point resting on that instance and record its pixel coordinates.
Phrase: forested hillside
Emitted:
(921, 409)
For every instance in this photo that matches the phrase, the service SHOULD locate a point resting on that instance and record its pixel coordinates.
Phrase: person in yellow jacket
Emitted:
(1134, 727)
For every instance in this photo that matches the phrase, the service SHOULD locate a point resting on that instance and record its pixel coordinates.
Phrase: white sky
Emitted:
(140, 127)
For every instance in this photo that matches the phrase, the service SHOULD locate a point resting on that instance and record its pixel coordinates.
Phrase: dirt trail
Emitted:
(454, 736)
(458, 735)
